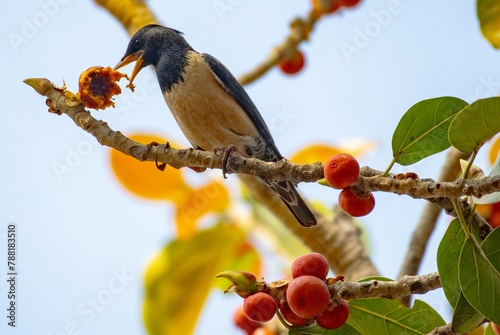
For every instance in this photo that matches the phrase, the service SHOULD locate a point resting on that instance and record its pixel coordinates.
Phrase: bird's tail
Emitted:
(292, 199)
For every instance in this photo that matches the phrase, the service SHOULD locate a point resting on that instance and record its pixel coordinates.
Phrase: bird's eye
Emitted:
(137, 44)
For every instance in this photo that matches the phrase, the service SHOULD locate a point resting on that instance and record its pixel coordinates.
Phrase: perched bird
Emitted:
(210, 106)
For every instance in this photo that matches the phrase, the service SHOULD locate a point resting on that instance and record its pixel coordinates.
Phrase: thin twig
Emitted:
(300, 31)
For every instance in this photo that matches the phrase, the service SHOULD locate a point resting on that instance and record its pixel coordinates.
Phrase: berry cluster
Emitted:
(341, 171)
(306, 300)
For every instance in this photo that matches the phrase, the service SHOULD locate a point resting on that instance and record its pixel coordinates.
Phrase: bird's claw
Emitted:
(226, 154)
(160, 166)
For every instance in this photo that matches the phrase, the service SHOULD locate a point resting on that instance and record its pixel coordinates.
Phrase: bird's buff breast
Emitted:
(208, 116)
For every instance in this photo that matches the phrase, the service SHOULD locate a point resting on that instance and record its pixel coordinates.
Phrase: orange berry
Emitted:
(293, 64)
(349, 3)
(290, 316)
(341, 170)
(259, 307)
(356, 204)
(313, 264)
(241, 321)
(307, 296)
(336, 317)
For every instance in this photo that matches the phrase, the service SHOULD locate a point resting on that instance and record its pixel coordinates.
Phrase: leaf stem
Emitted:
(461, 218)
(282, 320)
(469, 163)
(467, 232)
(391, 164)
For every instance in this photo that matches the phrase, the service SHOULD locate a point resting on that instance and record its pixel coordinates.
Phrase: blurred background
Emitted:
(85, 242)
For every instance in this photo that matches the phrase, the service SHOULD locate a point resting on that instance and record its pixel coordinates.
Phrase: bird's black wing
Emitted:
(234, 88)
(285, 188)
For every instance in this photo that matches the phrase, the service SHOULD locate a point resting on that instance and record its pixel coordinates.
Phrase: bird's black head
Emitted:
(153, 44)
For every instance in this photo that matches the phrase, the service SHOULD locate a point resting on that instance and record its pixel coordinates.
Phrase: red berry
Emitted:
(334, 6)
(494, 219)
(307, 296)
(336, 317)
(290, 316)
(293, 64)
(495, 328)
(356, 204)
(259, 307)
(348, 3)
(341, 170)
(241, 321)
(313, 264)
(263, 331)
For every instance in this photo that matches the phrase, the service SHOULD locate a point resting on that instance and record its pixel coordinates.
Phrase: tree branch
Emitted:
(339, 240)
(368, 181)
(369, 289)
(406, 286)
(132, 14)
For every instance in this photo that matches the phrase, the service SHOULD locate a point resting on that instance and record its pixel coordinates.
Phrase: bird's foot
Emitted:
(159, 166)
(226, 154)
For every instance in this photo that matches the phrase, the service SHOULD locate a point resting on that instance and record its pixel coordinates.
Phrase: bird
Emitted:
(208, 103)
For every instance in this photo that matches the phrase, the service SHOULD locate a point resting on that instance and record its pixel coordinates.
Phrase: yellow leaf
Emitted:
(179, 279)
(322, 152)
(144, 179)
(212, 197)
(495, 148)
(478, 331)
(488, 12)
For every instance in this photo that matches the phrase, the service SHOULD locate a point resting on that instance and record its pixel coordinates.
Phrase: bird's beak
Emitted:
(137, 57)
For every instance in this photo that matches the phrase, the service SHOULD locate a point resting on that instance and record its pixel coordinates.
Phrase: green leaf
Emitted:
(389, 317)
(479, 275)
(447, 260)
(488, 13)
(492, 197)
(465, 317)
(489, 330)
(423, 129)
(475, 124)
(312, 330)
(180, 277)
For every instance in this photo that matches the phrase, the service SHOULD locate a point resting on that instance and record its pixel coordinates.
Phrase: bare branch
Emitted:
(132, 14)
(339, 240)
(388, 289)
(369, 179)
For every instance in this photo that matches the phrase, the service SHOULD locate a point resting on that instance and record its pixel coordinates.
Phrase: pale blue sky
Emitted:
(81, 236)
